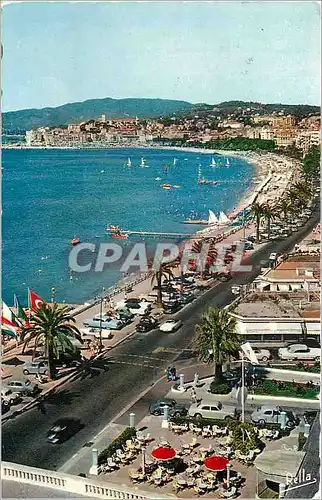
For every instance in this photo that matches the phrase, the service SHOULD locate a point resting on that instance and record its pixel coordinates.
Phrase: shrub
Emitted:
(245, 438)
(287, 389)
(219, 388)
(118, 442)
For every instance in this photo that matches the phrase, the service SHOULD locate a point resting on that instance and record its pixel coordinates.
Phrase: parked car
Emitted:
(171, 325)
(10, 397)
(175, 408)
(124, 314)
(235, 290)
(212, 409)
(63, 429)
(146, 324)
(38, 367)
(249, 245)
(171, 307)
(186, 298)
(104, 322)
(5, 406)
(308, 341)
(135, 306)
(270, 415)
(299, 351)
(23, 387)
(262, 354)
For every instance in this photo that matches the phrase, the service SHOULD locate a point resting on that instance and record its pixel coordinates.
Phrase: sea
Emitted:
(50, 195)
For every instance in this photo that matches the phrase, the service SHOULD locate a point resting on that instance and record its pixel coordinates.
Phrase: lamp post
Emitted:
(101, 314)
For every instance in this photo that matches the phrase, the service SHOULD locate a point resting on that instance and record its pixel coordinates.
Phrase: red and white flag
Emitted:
(35, 302)
(8, 319)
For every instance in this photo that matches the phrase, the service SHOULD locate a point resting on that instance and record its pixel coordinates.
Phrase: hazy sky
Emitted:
(197, 51)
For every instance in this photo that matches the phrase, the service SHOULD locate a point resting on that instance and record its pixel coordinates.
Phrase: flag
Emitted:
(8, 317)
(249, 353)
(19, 309)
(35, 302)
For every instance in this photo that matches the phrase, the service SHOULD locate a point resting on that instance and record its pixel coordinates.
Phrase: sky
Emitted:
(59, 52)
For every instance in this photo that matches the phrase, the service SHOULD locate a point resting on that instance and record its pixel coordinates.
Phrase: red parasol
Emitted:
(216, 463)
(164, 453)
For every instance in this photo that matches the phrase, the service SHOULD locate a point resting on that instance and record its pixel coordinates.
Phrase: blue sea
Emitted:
(51, 195)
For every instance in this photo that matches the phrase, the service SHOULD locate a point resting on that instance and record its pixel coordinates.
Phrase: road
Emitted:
(97, 398)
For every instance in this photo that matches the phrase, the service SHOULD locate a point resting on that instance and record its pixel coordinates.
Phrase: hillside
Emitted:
(76, 112)
(17, 121)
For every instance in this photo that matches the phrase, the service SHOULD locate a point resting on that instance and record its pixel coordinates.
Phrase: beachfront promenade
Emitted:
(131, 368)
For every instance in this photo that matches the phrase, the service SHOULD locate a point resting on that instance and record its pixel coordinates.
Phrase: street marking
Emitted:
(139, 356)
(116, 362)
(75, 455)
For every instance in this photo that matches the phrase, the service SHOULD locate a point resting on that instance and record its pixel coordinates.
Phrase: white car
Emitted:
(273, 256)
(299, 351)
(94, 333)
(235, 290)
(211, 409)
(171, 325)
(10, 397)
(261, 354)
(140, 308)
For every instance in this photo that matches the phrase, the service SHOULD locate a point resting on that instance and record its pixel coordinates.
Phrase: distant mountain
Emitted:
(19, 121)
(25, 119)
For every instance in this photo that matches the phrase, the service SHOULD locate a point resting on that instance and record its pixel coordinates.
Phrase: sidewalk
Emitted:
(81, 461)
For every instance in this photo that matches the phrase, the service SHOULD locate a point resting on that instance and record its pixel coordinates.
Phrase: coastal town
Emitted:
(161, 301)
(282, 130)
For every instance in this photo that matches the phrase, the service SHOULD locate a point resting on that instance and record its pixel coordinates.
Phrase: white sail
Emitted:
(129, 163)
(142, 164)
(213, 163)
(212, 218)
(174, 161)
(227, 163)
(223, 219)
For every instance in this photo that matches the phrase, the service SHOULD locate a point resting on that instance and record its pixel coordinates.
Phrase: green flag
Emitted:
(20, 312)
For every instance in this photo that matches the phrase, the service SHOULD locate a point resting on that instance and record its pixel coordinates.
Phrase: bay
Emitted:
(51, 195)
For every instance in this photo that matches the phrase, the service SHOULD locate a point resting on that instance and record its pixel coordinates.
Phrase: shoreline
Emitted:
(266, 184)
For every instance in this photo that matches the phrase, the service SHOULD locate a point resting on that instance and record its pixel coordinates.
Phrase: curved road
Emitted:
(98, 397)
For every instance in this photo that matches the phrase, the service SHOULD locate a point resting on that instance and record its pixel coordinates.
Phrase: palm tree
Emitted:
(52, 324)
(257, 212)
(270, 213)
(285, 207)
(197, 248)
(165, 270)
(216, 338)
(303, 192)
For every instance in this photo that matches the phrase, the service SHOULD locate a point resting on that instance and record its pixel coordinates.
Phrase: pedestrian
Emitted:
(168, 374)
(174, 373)
(193, 395)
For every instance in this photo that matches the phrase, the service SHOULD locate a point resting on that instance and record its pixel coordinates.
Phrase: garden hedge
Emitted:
(118, 442)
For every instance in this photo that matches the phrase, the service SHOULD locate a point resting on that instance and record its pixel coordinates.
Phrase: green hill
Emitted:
(25, 119)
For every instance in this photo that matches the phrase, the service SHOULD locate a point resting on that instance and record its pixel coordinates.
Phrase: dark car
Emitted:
(63, 429)
(146, 324)
(224, 277)
(309, 341)
(171, 307)
(175, 409)
(186, 298)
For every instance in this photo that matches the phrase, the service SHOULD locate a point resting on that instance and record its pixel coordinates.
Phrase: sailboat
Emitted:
(227, 163)
(129, 163)
(142, 164)
(213, 163)
(223, 219)
(212, 219)
(174, 161)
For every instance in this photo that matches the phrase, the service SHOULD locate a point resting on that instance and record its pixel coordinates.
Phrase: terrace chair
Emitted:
(111, 464)
(250, 457)
(193, 443)
(148, 438)
(120, 454)
(197, 430)
(191, 427)
(216, 430)
(224, 431)
(129, 445)
(206, 431)
(276, 434)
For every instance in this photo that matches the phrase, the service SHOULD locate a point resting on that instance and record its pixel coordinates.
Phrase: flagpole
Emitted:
(243, 388)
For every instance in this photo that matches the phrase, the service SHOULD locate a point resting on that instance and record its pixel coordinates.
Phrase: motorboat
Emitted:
(75, 241)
